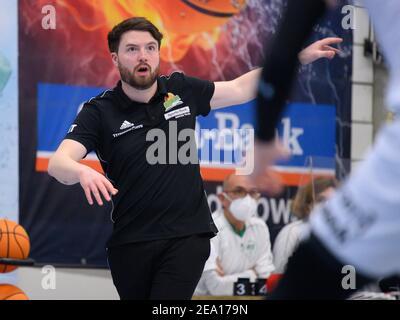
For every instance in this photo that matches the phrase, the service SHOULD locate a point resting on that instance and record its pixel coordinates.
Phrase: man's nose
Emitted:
(142, 55)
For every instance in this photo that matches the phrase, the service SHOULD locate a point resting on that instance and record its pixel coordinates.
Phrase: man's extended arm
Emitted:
(245, 87)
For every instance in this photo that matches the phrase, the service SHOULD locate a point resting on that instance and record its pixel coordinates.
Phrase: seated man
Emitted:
(242, 248)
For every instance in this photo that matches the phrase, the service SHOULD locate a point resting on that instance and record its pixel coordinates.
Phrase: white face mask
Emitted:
(243, 208)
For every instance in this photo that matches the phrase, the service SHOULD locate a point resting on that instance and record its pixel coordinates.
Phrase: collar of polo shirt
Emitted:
(127, 102)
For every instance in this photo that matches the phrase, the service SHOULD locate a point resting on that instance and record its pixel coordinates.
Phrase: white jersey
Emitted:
(286, 243)
(246, 256)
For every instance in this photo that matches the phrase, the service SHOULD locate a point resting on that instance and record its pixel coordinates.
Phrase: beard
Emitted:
(136, 81)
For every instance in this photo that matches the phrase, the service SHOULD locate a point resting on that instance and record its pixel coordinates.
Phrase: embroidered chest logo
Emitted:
(248, 246)
(178, 113)
(127, 127)
(171, 101)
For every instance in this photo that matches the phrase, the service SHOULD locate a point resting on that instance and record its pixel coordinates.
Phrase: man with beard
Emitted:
(162, 222)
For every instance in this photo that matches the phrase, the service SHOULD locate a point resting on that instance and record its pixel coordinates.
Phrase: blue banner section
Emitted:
(305, 129)
(58, 106)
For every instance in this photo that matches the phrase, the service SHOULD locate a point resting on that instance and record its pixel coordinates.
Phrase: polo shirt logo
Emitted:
(178, 113)
(126, 125)
(171, 101)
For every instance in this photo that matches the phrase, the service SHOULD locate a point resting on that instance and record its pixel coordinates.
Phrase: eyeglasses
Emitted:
(240, 192)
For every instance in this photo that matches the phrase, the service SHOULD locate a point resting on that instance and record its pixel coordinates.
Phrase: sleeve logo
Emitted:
(71, 129)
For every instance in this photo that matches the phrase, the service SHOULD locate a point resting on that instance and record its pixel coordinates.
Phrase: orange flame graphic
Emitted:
(184, 23)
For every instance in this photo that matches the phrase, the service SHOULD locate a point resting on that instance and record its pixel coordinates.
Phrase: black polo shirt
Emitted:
(155, 201)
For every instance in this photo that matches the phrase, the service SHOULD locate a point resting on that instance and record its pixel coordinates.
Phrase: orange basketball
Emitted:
(14, 243)
(10, 292)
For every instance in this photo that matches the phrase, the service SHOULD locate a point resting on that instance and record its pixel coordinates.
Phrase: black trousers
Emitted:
(159, 270)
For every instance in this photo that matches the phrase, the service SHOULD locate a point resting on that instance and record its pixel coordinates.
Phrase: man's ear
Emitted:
(114, 58)
(224, 201)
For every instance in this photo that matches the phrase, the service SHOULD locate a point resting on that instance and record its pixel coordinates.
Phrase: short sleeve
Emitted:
(86, 128)
(203, 91)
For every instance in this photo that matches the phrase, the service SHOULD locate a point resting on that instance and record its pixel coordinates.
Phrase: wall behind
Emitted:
(69, 284)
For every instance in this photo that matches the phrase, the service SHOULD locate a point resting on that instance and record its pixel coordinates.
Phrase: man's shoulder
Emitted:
(180, 78)
(102, 100)
(176, 75)
(256, 221)
(174, 80)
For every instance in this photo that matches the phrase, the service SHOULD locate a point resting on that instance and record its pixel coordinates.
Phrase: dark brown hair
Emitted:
(306, 195)
(136, 23)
